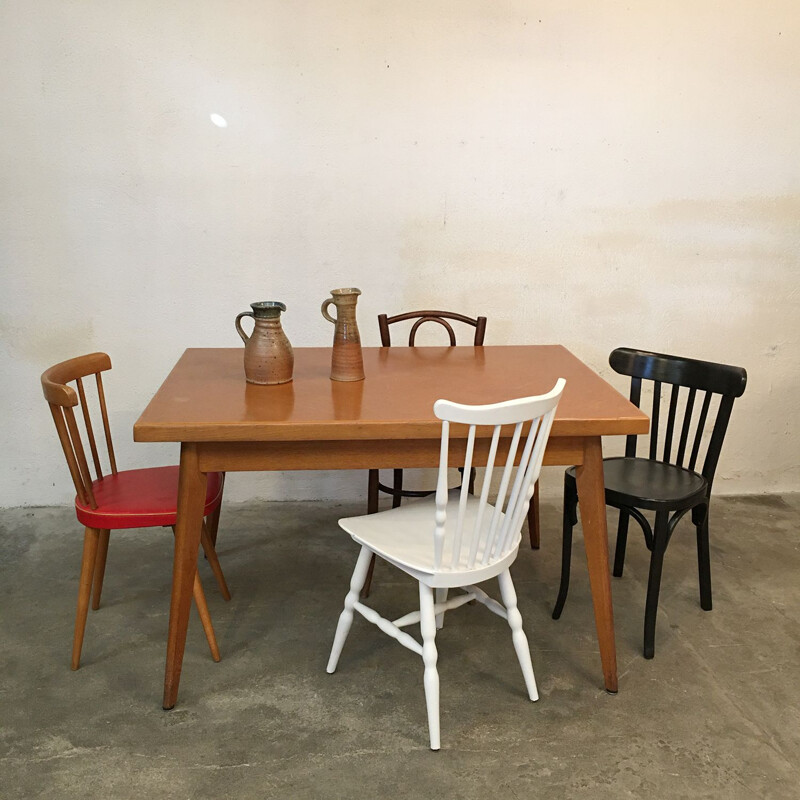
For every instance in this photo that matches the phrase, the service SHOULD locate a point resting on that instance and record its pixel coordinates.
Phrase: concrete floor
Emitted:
(715, 714)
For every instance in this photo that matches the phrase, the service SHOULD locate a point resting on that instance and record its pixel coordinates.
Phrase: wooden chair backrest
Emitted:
(694, 376)
(487, 543)
(440, 317)
(62, 399)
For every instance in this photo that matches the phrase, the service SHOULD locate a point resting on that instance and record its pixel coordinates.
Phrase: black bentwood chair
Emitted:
(662, 483)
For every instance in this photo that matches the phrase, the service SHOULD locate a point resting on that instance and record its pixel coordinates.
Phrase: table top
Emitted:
(206, 397)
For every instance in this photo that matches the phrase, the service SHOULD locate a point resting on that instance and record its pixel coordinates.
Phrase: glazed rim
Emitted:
(350, 290)
(262, 304)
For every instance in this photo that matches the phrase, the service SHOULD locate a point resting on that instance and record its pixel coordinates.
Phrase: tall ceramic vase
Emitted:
(268, 356)
(347, 363)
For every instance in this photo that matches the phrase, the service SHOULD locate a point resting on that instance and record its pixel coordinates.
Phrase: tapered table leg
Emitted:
(591, 492)
(191, 499)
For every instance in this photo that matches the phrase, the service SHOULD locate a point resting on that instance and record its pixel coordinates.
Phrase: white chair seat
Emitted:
(404, 537)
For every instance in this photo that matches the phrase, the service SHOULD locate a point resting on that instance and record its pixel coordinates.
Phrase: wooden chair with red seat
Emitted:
(397, 491)
(134, 498)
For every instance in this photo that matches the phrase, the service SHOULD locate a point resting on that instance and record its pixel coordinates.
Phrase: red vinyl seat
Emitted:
(141, 498)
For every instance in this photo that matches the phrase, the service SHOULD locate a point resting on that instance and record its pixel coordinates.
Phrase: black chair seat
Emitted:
(651, 485)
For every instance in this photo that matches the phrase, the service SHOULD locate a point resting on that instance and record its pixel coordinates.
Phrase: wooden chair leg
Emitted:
(100, 568)
(660, 532)
(570, 521)
(372, 508)
(213, 561)
(704, 562)
(534, 530)
(213, 518)
(205, 617)
(90, 542)
(622, 542)
(430, 656)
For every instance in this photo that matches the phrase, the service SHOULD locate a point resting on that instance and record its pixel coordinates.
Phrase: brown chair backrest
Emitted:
(62, 399)
(440, 317)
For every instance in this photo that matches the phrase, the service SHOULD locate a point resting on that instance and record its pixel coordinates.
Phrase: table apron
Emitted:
(362, 454)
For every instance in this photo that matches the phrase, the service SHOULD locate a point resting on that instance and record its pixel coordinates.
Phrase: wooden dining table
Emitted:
(224, 424)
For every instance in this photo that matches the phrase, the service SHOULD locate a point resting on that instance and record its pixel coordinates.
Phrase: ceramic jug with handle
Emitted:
(347, 363)
(268, 355)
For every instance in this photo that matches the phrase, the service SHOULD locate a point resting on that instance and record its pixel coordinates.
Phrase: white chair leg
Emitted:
(441, 597)
(427, 625)
(346, 617)
(517, 634)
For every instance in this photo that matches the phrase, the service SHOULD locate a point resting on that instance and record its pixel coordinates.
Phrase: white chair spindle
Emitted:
(503, 538)
(462, 501)
(545, 423)
(484, 499)
(501, 494)
(440, 517)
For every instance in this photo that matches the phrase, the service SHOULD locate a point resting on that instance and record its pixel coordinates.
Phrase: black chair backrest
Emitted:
(695, 376)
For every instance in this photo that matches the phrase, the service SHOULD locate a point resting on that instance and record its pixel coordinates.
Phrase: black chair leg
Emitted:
(660, 534)
(622, 542)
(398, 487)
(570, 521)
(704, 561)
(372, 508)
(372, 491)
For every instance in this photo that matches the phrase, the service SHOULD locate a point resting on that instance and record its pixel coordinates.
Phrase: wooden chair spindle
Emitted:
(87, 420)
(77, 446)
(106, 428)
(450, 332)
(69, 453)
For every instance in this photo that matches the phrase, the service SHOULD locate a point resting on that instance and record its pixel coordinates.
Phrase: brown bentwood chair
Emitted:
(396, 490)
(136, 498)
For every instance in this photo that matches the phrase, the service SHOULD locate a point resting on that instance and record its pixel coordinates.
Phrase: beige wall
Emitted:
(596, 174)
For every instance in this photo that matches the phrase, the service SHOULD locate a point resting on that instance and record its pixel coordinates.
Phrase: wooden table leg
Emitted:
(591, 491)
(191, 499)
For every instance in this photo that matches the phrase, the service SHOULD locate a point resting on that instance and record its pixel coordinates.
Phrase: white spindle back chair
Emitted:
(455, 539)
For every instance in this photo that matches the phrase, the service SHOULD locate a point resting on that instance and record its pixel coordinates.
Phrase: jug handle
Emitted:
(325, 304)
(245, 337)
